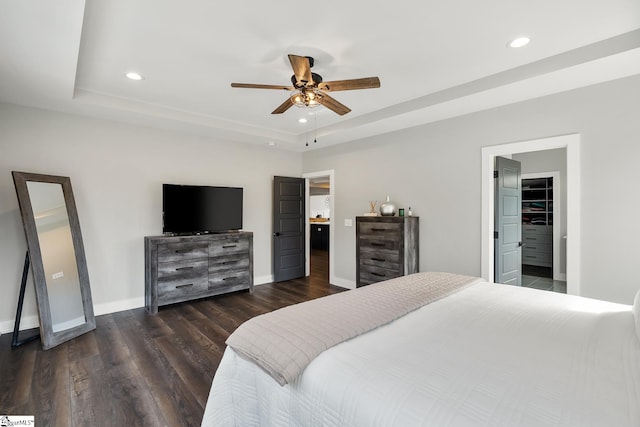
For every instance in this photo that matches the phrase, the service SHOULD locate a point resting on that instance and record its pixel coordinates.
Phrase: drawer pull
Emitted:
(229, 278)
(228, 262)
(377, 244)
(184, 268)
(183, 251)
(378, 229)
(378, 259)
(378, 274)
(184, 286)
(228, 246)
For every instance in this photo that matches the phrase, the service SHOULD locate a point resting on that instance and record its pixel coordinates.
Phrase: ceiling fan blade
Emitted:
(364, 83)
(301, 69)
(333, 104)
(283, 107)
(258, 86)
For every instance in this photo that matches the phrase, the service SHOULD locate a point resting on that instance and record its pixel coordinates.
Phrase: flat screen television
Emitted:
(193, 209)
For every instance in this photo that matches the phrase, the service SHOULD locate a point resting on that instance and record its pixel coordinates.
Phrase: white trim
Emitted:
(116, 306)
(572, 144)
(262, 280)
(27, 322)
(557, 217)
(344, 283)
(334, 222)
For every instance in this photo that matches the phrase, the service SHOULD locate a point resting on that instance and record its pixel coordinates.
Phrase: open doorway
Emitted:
(320, 239)
(572, 145)
(543, 224)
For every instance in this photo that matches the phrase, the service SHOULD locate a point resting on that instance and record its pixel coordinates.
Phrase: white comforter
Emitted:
(490, 355)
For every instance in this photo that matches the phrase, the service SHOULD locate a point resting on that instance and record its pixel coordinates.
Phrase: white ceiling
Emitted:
(435, 59)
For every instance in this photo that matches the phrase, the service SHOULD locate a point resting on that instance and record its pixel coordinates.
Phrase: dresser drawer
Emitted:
(536, 229)
(370, 274)
(387, 230)
(533, 239)
(170, 291)
(380, 258)
(377, 244)
(182, 250)
(228, 246)
(181, 269)
(231, 278)
(537, 258)
(228, 262)
(534, 247)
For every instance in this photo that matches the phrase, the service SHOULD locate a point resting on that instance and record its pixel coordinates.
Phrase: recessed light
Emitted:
(519, 42)
(302, 120)
(133, 75)
(271, 144)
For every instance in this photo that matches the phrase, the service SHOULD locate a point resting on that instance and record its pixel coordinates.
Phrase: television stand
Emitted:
(184, 268)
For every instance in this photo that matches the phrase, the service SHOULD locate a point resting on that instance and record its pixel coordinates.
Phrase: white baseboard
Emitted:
(115, 306)
(343, 283)
(30, 322)
(27, 322)
(561, 277)
(263, 280)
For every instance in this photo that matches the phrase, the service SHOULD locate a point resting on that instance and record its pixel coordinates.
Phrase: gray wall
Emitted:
(116, 171)
(435, 169)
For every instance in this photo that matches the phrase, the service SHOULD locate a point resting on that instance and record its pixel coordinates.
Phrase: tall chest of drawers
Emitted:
(183, 268)
(538, 245)
(387, 247)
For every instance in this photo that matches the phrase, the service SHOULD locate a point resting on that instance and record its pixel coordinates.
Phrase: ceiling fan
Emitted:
(309, 90)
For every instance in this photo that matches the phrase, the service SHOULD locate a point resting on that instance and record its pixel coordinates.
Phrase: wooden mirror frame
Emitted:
(47, 335)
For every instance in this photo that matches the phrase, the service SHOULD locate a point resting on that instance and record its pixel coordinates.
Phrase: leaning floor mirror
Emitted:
(57, 258)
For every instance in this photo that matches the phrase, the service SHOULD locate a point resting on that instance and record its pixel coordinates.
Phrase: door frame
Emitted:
(332, 219)
(572, 144)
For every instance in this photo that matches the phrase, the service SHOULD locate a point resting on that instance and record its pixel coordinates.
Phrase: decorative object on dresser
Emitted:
(183, 268)
(372, 208)
(387, 208)
(387, 247)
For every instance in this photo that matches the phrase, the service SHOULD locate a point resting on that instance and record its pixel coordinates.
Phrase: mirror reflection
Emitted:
(58, 255)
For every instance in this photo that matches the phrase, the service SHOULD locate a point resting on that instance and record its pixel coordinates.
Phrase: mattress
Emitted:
(488, 355)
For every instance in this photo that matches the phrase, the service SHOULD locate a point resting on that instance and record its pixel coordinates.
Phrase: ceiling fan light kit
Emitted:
(309, 90)
(305, 98)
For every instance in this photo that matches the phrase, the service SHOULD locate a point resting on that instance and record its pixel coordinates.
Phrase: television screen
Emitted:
(201, 209)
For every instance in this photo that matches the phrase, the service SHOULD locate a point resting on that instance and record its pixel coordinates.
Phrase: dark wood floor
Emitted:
(136, 369)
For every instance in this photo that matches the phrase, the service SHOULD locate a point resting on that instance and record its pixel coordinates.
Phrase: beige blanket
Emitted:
(285, 341)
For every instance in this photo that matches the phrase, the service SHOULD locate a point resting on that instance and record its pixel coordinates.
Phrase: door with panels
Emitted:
(508, 222)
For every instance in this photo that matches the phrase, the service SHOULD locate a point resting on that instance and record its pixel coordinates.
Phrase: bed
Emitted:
(479, 354)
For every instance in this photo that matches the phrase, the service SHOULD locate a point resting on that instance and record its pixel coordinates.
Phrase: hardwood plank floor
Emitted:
(140, 370)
